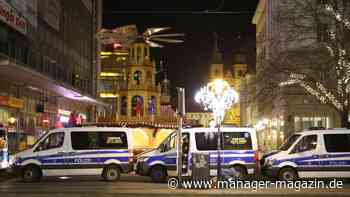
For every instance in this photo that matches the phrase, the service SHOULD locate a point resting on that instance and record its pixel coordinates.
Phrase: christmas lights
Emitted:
(217, 96)
(336, 96)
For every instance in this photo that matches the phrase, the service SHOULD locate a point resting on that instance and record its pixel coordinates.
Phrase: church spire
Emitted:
(216, 59)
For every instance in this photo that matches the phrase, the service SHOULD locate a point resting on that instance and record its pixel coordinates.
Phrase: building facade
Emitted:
(48, 62)
(204, 119)
(292, 109)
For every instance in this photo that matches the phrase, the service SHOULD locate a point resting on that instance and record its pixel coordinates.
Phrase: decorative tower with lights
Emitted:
(140, 96)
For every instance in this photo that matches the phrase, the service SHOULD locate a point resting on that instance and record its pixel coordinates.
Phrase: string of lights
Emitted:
(342, 68)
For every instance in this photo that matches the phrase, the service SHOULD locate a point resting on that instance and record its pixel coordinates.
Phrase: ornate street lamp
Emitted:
(217, 97)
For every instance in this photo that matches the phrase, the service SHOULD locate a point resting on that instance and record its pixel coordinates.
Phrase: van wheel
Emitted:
(158, 174)
(288, 174)
(111, 173)
(31, 173)
(241, 172)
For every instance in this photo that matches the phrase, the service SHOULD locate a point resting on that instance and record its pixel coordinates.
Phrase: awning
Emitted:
(32, 79)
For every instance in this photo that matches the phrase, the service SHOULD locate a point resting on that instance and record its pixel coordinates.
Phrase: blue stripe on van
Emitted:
(304, 160)
(45, 159)
(169, 159)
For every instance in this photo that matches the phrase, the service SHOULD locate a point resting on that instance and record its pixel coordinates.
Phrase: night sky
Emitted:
(187, 64)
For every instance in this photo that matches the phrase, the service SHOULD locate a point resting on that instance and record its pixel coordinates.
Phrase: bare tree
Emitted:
(309, 48)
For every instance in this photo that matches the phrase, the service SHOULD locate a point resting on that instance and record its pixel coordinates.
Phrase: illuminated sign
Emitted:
(64, 112)
(12, 18)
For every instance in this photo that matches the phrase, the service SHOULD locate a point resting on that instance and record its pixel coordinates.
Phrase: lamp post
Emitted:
(217, 97)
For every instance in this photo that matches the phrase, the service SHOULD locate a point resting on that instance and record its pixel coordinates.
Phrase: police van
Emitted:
(314, 153)
(239, 152)
(104, 151)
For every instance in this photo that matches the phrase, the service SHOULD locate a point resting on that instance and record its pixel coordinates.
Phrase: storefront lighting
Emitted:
(108, 95)
(266, 121)
(281, 135)
(106, 53)
(110, 74)
(12, 120)
(64, 119)
(64, 112)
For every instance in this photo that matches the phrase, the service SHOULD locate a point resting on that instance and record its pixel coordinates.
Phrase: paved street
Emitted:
(131, 185)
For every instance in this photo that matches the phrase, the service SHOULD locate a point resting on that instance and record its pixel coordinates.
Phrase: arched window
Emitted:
(137, 106)
(137, 77)
(149, 77)
(123, 106)
(152, 105)
(146, 51)
(138, 54)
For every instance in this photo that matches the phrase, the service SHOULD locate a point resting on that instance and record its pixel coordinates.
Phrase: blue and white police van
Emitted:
(314, 153)
(239, 152)
(104, 151)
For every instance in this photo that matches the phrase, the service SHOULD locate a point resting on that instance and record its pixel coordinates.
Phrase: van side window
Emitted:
(84, 140)
(337, 142)
(113, 140)
(99, 140)
(206, 141)
(54, 140)
(307, 143)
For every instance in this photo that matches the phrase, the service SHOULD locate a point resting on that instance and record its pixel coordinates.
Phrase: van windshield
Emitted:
(289, 142)
(40, 138)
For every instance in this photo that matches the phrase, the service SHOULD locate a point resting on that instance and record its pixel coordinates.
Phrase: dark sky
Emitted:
(187, 64)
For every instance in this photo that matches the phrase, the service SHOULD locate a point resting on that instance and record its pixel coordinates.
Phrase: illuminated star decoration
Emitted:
(217, 97)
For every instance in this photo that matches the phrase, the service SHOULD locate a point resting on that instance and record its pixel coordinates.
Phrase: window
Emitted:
(321, 2)
(307, 143)
(84, 140)
(290, 141)
(137, 77)
(99, 140)
(301, 123)
(169, 143)
(237, 141)
(337, 142)
(231, 141)
(113, 140)
(206, 141)
(54, 140)
(322, 33)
